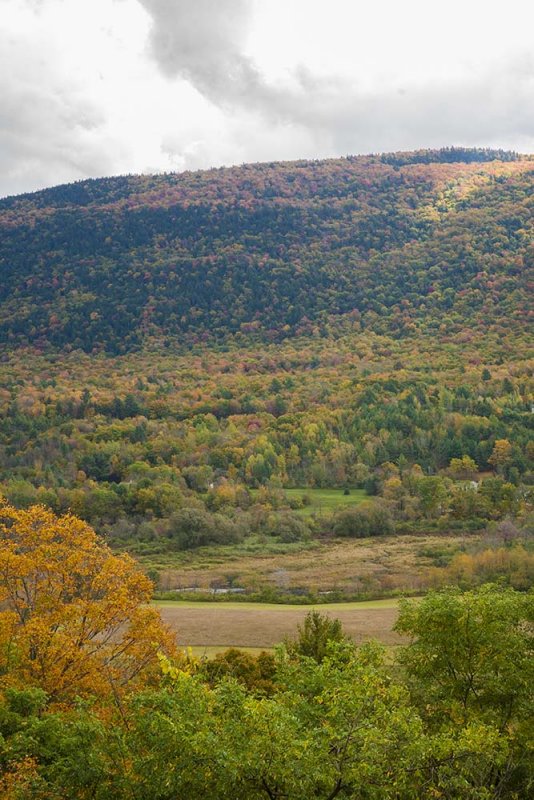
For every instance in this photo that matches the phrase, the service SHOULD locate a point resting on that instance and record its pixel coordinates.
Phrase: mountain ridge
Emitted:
(392, 242)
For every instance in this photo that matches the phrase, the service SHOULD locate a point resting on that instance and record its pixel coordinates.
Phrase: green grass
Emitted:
(242, 606)
(210, 651)
(324, 501)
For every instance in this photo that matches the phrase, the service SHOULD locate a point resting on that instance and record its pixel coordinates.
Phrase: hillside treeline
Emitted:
(173, 452)
(396, 244)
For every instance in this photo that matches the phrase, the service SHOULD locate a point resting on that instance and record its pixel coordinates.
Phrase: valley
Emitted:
(266, 400)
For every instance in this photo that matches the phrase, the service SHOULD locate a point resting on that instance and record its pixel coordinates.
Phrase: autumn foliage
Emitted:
(401, 242)
(74, 618)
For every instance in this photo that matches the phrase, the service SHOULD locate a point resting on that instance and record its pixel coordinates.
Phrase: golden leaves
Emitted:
(74, 618)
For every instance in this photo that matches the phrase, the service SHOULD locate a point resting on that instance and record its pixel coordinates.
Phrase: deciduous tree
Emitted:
(75, 618)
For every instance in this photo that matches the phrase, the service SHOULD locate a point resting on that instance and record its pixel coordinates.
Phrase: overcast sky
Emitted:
(102, 87)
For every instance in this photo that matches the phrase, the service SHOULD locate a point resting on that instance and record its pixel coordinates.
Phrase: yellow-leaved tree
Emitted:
(74, 618)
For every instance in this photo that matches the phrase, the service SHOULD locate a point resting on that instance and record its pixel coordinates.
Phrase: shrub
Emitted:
(194, 527)
(367, 519)
(287, 526)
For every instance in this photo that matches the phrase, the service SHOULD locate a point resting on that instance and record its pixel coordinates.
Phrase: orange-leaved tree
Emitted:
(74, 618)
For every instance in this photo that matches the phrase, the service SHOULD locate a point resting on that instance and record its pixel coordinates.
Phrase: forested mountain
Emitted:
(396, 243)
(300, 383)
(256, 334)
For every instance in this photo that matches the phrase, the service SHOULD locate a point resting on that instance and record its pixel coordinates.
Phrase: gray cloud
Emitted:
(493, 107)
(203, 43)
(60, 124)
(47, 126)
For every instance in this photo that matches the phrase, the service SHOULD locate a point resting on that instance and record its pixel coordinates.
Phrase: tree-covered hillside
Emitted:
(398, 243)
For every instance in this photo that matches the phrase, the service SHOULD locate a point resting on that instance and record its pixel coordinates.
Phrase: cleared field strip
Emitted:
(325, 501)
(258, 625)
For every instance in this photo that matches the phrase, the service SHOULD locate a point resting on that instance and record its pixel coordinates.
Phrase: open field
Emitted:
(253, 606)
(210, 652)
(323, 501)
(379, 564)
(254, 625)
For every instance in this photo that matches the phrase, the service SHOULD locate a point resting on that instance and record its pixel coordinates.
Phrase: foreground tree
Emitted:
(471, 662)
(74, 618)
(314, 636)
(472, 653)
(340, 728)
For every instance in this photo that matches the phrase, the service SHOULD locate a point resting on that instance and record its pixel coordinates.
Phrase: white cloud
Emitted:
(117, 86)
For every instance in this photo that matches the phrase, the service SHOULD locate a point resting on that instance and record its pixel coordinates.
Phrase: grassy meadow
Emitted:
(324, 501)
(339, 567)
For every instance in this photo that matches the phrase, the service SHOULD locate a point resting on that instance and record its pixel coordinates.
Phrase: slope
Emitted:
(392, 243)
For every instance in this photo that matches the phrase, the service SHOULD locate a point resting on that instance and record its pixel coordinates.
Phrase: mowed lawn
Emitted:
(325, 501)
(263, 625)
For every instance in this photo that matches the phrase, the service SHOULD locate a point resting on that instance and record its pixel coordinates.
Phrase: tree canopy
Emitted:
(397, 243)
(74, 618)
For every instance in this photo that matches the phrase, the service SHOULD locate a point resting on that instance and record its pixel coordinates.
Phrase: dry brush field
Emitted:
(379, 564)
